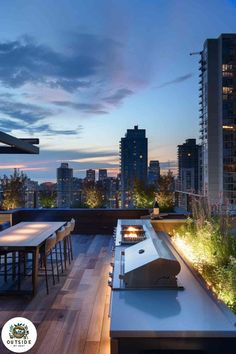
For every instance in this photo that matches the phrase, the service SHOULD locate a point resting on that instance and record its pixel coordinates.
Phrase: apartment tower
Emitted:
(218, 119)
(134, 157)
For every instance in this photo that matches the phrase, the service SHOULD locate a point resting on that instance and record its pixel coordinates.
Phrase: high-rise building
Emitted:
(102, 174)
(134, 157)
(64, 186)
(110, 187)
(153, 172)
(90, 175)
(31, 194)
(77, 195)
(188, 166)
(218, 119)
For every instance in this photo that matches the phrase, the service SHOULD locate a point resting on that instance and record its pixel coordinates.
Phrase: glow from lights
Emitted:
(130, 235)
(22, 233)
(131, 228)
(229, 127)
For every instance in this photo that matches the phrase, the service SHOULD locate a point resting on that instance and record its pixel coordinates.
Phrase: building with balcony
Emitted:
(102, 174)
(90, 175)
(218, 119)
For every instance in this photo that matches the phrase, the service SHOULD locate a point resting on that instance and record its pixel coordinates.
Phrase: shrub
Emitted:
(208, 242)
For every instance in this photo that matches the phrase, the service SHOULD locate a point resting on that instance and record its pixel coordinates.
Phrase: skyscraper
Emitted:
(90, 175)
(102, 174)
(188, 166)
(64, 186)
(134, 157)
(153, 172)
(218, 118)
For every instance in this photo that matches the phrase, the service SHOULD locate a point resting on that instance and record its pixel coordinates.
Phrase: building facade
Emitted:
(31, 194)
(133, 162)
(153, 172)
(218, 119)
(77, 192)
(64, 186)
(90, 175)
(187, 181)
(188, 166)
(102, 174)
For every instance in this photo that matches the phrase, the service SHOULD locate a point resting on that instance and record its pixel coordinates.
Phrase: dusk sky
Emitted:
(78, 73)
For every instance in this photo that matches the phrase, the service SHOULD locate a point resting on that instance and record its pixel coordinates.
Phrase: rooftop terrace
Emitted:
(74, 317)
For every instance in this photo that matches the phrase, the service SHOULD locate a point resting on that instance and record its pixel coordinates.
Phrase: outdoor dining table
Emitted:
(28, 237)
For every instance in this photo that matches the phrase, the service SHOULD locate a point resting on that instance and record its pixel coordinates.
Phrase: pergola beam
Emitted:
(17, 146)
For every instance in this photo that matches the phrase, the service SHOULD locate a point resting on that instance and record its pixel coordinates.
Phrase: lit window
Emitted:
(227, 74)
(229, 127)
(227, 67)
(227, 89)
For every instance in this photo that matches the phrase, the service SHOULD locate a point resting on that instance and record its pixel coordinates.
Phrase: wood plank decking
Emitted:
(73, 318)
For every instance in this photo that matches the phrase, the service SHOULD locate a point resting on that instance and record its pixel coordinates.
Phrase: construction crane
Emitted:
(195, 53)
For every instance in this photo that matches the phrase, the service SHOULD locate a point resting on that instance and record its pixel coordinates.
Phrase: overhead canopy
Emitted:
(14, 145)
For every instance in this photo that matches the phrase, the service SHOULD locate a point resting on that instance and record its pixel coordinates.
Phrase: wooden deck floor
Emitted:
(73, 318)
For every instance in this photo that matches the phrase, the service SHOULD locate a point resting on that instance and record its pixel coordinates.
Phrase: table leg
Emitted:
(65, 251)
(35, 270)
(14, 265)
(19, 272)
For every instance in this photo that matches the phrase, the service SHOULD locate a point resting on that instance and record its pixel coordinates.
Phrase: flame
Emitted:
(132, 234)
(131, 228)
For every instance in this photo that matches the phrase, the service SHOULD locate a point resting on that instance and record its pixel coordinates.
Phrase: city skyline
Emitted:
(102, 84)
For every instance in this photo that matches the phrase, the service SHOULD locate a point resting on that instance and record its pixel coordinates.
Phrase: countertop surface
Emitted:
(192, 312)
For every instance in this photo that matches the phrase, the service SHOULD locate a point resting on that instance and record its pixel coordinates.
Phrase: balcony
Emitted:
(74, 317)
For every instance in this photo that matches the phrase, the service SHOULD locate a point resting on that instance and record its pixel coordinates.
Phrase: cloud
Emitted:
(24, 61)
(9, 125)
(118, 96)
(78, 76)
(96, 108)
(59, 154)
(177, 80)
(169, 164)
(87, 56)
(48, 130)
(43, 166)
(28, 113)
(89, 74)
(69, 85)
(6, 166)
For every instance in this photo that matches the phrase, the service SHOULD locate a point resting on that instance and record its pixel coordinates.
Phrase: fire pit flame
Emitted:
(131, 228)
(132, 233)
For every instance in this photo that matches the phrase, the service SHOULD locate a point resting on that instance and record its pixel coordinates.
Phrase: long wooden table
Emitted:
(28, 237)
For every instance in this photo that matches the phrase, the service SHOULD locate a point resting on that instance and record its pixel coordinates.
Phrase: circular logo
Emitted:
(19, 334)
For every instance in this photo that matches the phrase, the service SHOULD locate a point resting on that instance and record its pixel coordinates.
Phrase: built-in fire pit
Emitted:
(132, 234)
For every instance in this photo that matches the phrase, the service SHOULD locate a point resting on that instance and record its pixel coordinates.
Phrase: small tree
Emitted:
(165, 195)
(13, 190)
(93, 195)
(47, 199)
(143, 195)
